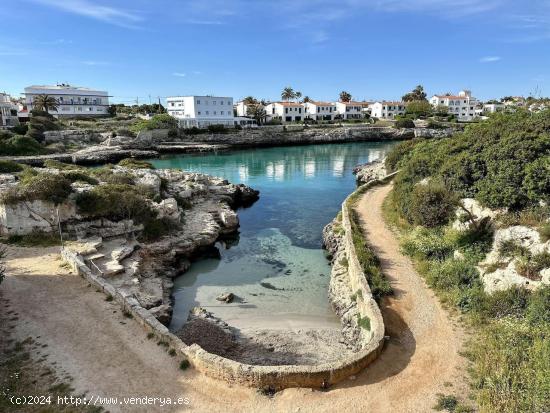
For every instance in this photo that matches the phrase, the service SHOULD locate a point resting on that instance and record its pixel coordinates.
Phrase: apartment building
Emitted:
(320, 110)
(73, 101)
(201, 111)
(387, 109)
(285, 111)
(463, 105)
(8, 111)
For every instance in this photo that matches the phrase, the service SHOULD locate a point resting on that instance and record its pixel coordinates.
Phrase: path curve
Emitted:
(107, 354)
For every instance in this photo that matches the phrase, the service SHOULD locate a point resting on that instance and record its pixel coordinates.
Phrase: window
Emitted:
(198, 102)
(199, 112)
(213, 102)
(214, 112)
(207, 113)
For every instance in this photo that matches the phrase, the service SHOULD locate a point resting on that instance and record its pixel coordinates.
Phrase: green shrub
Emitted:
(507, 303)
(160, 121)
(133, 163)
(20, 146)
(511, 248)
(452, 273)
(20, 129)
(53, 164)
(538, 310)
(426, 244)
(432, 205)
(107, 175)
(398, 153)
(35, 239)
(404, 123)
(9, 166)
(216, 129)
(544, 231)
(39, 123)
(43, 186)
(446, 402)
(363, 322)
(79, 176)
(530, 266)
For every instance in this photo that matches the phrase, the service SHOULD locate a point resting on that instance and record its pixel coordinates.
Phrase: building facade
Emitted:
(285, 111)
(201, 111)
(349, 110)
(73, 101)
(8, 112)
(387, 110)
(463, 106)
(320, 110)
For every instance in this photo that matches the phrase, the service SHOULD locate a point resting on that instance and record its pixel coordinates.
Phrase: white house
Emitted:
(73, 101)
(387, 110)
(349, 110)
(8, 111)
(493, 107)
(320, 110)
(462, 106)
(201, 111)
(286, 111)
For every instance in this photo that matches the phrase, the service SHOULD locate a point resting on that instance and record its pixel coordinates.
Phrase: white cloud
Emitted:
(87, 8)
(490, 59)
(179, 74)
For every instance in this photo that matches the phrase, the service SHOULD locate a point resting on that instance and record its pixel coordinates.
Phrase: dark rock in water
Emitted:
(225, 297)
(271, 287)
(288, 272)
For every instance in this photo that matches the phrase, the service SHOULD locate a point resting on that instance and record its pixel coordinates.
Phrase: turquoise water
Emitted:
(276, 268)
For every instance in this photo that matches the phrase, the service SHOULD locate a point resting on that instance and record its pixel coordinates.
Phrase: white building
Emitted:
(387, 110)
(493, 107)
(8, 111)
(285, 111)
(349, 110)
(320, 110)
(73, 101)
(201, 111)
(462, 106)
(241, 108)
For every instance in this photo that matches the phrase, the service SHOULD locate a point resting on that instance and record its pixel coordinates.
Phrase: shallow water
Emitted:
(277, 269)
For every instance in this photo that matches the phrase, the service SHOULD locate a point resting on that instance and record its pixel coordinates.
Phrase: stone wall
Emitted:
(265, 377)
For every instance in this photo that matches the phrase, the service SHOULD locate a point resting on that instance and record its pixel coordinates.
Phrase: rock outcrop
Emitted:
(370, 171)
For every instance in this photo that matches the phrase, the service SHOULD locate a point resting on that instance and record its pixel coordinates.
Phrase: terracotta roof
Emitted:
(314, 102)
(352, 103)
(450, 97)
(288, 104)
(390, 102)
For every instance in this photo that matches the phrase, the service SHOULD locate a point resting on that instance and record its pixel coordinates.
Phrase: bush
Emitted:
(538, 310)
(79, 176)
(404, 123)
(53, 164)
(398, 152)
(161, 121)
(39, 123)
(133, 163)
(544, 232)
(114, 201)
(43, 186)
(35, 239)
(9, 167)
(216, 129)
(20, 129)
(432, 205)
(20, 145)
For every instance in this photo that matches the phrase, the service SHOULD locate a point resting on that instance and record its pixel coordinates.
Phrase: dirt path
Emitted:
(108, 354)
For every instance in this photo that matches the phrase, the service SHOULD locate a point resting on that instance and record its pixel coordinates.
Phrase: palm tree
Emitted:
(345, 96)
(250, 100)
(306, 99)
(257, 112)
(297, 95)
(45, 103)
(288, 93)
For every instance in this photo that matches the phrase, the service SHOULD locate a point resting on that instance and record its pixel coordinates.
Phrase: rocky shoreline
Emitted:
(102, 148)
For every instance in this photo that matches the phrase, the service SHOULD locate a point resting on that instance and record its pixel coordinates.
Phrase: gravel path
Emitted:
(107, 354)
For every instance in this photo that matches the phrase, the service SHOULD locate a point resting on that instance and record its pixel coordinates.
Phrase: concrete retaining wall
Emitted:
(272, 377)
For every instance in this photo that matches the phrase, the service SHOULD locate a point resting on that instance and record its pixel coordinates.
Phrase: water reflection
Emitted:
(301, 190)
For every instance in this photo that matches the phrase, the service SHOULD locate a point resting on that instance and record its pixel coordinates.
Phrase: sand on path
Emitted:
(109, 355)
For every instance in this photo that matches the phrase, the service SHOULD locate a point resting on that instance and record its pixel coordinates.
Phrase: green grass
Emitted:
(509, 349)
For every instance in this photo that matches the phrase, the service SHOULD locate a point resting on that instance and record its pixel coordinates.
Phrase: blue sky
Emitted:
(373, 48)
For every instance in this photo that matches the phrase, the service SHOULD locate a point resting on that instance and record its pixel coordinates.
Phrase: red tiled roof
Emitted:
(321, 103)
(289, 104)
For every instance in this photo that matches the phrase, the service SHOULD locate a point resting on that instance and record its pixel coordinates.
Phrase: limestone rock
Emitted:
(225, 297)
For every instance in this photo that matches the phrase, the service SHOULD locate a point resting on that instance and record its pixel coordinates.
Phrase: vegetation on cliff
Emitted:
(502, 163)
